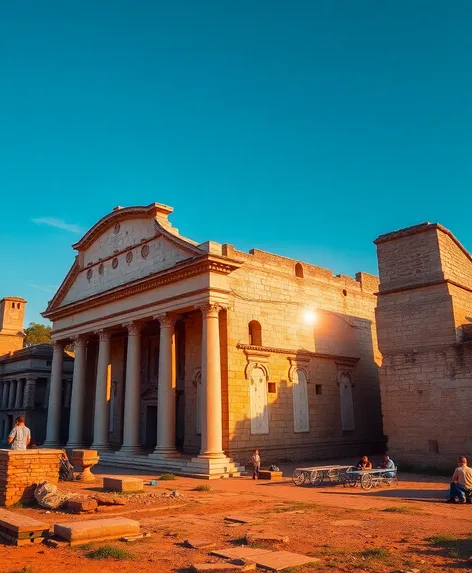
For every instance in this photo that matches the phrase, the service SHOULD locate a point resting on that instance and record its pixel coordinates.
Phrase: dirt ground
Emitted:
(405, 527)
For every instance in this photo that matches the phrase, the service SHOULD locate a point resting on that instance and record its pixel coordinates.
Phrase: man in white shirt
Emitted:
(20, 436)
(461, 485)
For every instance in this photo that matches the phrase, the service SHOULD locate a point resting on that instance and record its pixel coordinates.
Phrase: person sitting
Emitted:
(388, 464)
(461, 485)
(364, 464)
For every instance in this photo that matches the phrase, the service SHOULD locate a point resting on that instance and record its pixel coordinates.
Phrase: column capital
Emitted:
(134, 328)
(103, 335)
(79, 340)
(58, 345)
(166, 319)
(211, 309)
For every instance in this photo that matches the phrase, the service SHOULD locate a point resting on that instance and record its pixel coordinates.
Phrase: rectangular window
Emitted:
(272, 388)
(319, 389)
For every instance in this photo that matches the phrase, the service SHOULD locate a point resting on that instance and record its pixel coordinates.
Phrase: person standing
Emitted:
(256, 464)
(20, 436)
(461, 485)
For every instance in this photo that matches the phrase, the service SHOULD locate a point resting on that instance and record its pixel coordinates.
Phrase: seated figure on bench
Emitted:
(461, 485)
(388, 464)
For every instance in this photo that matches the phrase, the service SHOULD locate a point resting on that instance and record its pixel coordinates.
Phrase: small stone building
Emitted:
(424, 324)
(188, 355)
(25, 375)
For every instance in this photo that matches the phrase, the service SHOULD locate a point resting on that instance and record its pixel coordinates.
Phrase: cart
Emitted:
(368, 479)
(316, 475)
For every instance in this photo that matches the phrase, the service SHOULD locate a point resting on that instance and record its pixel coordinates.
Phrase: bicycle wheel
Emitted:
(298, 477)
(334, 476)
(367, 481)
(316, 477)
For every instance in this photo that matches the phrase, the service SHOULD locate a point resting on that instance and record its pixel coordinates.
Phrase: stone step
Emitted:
(20, 530)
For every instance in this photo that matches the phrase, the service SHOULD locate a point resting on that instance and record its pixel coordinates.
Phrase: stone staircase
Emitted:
(176, 464)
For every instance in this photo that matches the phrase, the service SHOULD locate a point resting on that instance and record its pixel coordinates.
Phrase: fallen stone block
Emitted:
(81, 505)
(20, 530)
(274, 476)
(228, 567)
(199, 544)
(123, 484)
(266, 538)
(78, 532)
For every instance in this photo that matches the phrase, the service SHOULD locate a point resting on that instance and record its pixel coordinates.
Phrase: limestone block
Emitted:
(123, 484)
(274, 476)
(80, 505)
(77, 532)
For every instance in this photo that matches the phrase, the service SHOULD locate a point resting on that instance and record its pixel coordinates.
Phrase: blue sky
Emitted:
(304, 128)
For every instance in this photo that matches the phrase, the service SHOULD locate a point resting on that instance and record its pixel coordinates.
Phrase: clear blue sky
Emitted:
(304, 128)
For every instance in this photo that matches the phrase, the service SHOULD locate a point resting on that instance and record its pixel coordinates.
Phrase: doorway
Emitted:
(151, 425)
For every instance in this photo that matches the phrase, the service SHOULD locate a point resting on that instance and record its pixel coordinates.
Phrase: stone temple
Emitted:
(188, 356)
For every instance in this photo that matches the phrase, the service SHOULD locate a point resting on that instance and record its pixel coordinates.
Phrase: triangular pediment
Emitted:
(124, 247)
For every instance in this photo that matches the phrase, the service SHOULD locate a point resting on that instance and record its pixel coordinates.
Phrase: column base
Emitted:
(129, 451)
(212, 455)
(76, 446)
(101, 447)
(213, 468)
(161, 452)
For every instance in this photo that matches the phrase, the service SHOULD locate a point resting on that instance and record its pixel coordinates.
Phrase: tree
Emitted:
(37, 333)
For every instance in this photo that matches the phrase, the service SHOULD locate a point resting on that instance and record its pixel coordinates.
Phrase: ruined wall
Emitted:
(422, 317)
(266, 289)
(22, 470)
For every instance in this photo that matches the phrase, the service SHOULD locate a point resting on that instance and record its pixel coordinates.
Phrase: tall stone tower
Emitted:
(12, 313)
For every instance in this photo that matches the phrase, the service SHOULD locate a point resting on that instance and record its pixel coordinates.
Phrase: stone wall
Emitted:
(21, 470)
(267, 289)
(423, 316)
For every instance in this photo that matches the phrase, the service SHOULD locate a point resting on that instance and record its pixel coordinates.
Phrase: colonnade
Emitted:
(211, 409)
(16, 394)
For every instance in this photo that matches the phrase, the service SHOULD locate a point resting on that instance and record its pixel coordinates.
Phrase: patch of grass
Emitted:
(109, 552)
(442, 540)
(294, 506)
(18, 505)
(202, 488)
(85, 547)
(375, 553)
(166, 477)
(26, 569)
(240, 540)
(454, 547)
(397, 509)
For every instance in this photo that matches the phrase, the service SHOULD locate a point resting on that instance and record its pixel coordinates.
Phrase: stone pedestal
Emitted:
(86, 459)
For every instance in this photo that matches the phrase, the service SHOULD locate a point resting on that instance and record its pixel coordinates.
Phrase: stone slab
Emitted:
(123, 484)
(81, 505)
(199, 543)
(240, 553)
(77, 532)
(223, 567)
(254, 537)
(280, 560)
(20, 523)
(274, 476)
(265, 558)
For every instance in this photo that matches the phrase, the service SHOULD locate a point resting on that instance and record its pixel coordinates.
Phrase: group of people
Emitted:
(365, 464)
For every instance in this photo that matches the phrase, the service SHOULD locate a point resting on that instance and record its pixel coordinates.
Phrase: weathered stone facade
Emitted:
(12, 311)
(424, 319)
(202, 349)
(24, 390)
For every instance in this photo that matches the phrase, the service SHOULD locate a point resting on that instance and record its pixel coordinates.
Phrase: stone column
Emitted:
(54, 403)
(2, 392)
(212, 427)
(166, 388)
(29, 393)
(131, 443)
(12, 395)
(19, 394)
(102, 394)
(76, 420)
(6, 392)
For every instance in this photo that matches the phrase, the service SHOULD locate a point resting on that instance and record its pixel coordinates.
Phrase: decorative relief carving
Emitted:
(89, 274)
(197, 377)
(256, 359)
(129, 257)
(103, 335)
(116, 228)
(79, 340)
(298, 364)
(100, 269)
(145, 251)
(114, 263)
